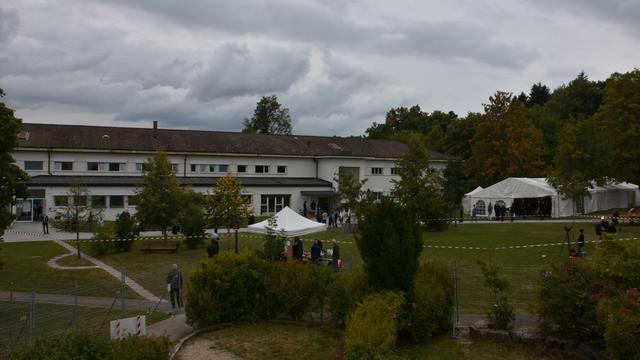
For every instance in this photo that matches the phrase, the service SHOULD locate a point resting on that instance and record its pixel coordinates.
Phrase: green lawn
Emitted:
(25, 269)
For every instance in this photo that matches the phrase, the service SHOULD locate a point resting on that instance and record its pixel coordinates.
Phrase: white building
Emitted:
(275, 170)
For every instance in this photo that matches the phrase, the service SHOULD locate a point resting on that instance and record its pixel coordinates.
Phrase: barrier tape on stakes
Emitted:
(480, 218)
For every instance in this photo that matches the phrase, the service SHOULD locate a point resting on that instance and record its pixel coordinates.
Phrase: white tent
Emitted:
(466, 201)
(612, 195)
(289, 223)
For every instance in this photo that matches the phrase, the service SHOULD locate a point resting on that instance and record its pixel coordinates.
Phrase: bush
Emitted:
(372, 330)
(567, 301)
(500, 314)
(228, 288)
(390, 242)
(124, 231)
(84, 345)
(619, 263)
(102, 237)
(294, 285)
(346, 292)
(194, 224)
(620, 316)
(432, 305)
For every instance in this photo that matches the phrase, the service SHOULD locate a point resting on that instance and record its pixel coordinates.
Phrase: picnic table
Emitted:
(160, 245)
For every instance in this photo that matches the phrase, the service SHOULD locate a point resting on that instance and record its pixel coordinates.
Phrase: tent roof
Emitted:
(512, 188)
(474, 191)
(290, 223)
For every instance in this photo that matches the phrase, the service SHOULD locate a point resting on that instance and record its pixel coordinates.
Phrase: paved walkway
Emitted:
(174, 327)
(146, 294)
(85, 301)
(522, 320)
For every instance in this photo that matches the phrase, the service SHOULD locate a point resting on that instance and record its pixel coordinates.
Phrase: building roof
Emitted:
(55, 180)
(83, 137)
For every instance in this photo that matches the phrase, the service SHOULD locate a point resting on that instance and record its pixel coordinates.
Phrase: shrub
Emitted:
(102, 237)
(292, 282)
(346, 292)
(372, 329)
(619, 262)
(124, 231)
(323, 281)
(390, 242)
(194, 224)
(84, 345)
(620, 316)
(567, 301)
(432, 302)
(500, 314)
(227, 288)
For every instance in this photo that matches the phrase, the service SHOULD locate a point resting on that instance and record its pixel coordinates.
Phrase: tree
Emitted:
(579, 160)
(192, 219)
(349, 190)
(457, 140)
(225, 205)
(125, 231)
(538, 95)
(12, 178)
(506, 143)
(619, 119)
(269, 117)
(420, 185)
(160, 195)
(78, 209)
(455, 184)
(390, 242)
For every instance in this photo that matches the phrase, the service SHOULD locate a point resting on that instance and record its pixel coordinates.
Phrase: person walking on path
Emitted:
(174, 286)
(213, 248)
(581, 243)
(335, 256)
(45, 224)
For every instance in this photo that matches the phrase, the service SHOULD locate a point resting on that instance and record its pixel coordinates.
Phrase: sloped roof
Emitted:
(195, 141)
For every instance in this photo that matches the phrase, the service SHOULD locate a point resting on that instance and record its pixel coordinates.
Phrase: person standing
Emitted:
(297, 249)
(45, 224)
(304, 209)
(335, 256)
(496, 210)
(174, 286)
(315, 252)
(474, 214)
(214, 248)
(461, 213)
(490, 209)
(581, 243)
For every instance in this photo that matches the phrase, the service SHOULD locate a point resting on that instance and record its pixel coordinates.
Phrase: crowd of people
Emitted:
(333, 219)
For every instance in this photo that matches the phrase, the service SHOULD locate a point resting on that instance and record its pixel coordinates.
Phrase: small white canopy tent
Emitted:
(289, 223)
(466, 201)
(612, 195)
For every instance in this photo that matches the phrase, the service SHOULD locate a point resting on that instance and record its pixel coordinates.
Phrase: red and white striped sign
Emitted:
(133, 326)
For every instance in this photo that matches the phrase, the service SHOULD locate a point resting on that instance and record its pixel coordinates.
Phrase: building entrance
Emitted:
(29, 209)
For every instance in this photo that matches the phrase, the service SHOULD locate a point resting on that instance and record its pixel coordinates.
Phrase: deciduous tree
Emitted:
(225, 203)
(269, 117)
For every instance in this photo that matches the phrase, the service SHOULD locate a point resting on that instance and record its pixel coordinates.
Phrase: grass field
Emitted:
(25, 269)
(311, 342)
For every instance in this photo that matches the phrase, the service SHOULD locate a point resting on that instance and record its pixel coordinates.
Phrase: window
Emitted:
(80, 199)
(99, 201)
(223, 168)
(376, 171)
(141, 167)
(33, 165)
(133, 200)
(175, 167)
(481, 208)
(212, 168)
(63, 165)
(282, 169)
(116, 201)
(60, 200)
(117, 166)
(271, 204)
(262, 169)
(96, 166)
(376, 195)
(199, 167)
(394, 171)
(242, 168)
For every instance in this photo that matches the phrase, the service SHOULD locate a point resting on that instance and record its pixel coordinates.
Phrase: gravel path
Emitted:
(203, 349)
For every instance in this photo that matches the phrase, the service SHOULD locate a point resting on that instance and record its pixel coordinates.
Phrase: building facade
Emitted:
(275, 170)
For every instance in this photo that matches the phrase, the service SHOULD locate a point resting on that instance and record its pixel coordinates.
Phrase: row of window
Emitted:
(380, 171)
(140, 167)
(269, 204)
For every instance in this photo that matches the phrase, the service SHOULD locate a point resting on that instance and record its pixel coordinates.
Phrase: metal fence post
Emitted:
(32, 318)
(454, 313)
(124, 295)
(12, 312)
(76, 312)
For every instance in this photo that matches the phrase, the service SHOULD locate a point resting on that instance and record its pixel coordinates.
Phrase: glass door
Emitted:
(24, 210)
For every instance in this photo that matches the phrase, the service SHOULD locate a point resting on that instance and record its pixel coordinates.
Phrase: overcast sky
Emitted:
(338, 65)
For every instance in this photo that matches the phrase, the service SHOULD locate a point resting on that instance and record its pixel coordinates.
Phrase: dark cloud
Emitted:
(237, 71)
(622, 12)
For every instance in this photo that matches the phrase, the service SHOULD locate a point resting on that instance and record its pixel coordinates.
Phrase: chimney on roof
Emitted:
(155, 128)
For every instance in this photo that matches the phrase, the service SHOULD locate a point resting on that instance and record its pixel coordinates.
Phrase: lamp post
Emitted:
(236, 226)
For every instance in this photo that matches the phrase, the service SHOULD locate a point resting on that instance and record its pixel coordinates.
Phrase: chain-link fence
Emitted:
(26, 316)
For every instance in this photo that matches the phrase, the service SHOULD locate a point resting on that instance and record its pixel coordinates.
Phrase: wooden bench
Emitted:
(160, 245)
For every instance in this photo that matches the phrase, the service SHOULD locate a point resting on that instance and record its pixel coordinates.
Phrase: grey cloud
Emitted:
(9, 22)
(317, 24)
(237, 71)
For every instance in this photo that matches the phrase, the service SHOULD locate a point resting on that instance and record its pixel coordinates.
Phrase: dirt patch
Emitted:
(203, 349)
